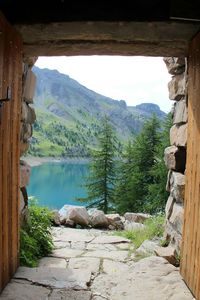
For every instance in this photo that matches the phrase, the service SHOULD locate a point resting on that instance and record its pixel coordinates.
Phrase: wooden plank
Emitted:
(5, 137)
(15, 155)
(190, 254)
(10, 76)
(1, 160)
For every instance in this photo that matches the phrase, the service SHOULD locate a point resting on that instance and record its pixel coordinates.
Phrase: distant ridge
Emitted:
(69, 114)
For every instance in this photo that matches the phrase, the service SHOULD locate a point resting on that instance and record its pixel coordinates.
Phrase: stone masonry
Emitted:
(175, 154)
(28, 117)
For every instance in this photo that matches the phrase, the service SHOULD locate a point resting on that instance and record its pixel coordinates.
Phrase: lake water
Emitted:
(57, 184)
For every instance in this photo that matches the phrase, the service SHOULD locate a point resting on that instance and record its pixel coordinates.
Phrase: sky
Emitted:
(135, 79)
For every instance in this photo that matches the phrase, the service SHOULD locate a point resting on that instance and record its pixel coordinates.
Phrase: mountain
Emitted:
(69, 116)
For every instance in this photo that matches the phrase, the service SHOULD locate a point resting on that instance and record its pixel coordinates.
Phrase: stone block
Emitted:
(169, 253)
(175, 158)
(177, 87)
(175, 65)
(25, 132)
(23, 147)
(178, 135)
(180, 112)
(177, 184)
(176, 217)
(28, 113)
(29, 86)
(168, 181)
(169, 207)
(31, 115)
(24, 111)
(172, 236)
(25, 172)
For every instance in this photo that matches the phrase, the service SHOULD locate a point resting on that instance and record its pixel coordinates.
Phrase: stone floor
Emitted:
(94, 265)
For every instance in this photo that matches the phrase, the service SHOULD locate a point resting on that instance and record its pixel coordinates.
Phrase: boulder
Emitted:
(136, 217)
(77, 214)
(55, 217)
(115, 221)
(169, 253)
(147, 247)
(133, 225)
(98, 219)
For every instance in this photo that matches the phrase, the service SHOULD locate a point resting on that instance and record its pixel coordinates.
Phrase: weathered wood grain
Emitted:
(190, 256)
(10, 76)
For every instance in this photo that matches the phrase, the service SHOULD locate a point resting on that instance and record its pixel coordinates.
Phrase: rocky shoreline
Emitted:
(34, 161)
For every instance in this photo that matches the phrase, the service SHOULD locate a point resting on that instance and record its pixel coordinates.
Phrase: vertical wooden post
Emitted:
(10, 114)
(190, 256)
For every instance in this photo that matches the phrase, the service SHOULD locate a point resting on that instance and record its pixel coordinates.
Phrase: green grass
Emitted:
(154, 227)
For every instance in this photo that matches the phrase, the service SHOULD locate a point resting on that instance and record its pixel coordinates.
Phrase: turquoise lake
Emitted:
(57, 184)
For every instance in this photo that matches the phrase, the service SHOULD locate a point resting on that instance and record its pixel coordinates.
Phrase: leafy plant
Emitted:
(35, 236)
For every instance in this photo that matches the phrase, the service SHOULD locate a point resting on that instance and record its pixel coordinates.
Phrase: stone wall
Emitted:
(28, 117)
(175, 155)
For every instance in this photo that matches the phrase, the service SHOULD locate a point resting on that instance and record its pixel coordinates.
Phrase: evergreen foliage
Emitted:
(142, 173)
(157, 194)
(101, 179)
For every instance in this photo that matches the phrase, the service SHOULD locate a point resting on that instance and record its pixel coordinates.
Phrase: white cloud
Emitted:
(134, 79)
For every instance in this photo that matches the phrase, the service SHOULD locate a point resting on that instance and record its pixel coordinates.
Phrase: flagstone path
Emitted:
(94, 265)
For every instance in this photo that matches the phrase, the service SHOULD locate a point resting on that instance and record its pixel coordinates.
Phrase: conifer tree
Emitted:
(132, 191)
(101, 178)
(157, 194)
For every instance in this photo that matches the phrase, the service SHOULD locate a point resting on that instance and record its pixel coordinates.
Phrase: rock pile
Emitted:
(72, 216)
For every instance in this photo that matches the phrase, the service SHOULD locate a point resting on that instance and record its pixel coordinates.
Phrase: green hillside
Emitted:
(69, 116)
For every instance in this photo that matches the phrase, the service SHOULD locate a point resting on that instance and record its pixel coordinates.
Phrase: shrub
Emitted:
(35, 236)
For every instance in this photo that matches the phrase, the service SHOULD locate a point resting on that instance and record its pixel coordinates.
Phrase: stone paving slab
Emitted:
(114, 255)
(60, 244)
(55, 277)
(53, 262)
(24, 291)
(72, 235)
(78, 245)
(105, 247)
(114, 267)
(149, 279)
(89, 263)
(66, 253)
(110, 239)
(99, 268)
(70, 295)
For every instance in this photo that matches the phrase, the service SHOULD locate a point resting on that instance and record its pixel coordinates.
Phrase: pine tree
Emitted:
(157, 194)
(132, 190)
(101, 178)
